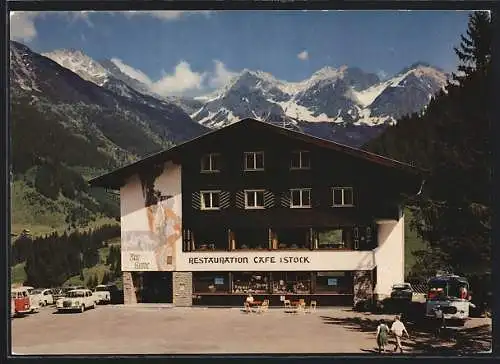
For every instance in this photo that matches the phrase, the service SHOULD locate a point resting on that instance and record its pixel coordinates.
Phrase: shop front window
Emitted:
(210, 282)
(250, 282)
(291, 282)
(334, 282)
(334, 238)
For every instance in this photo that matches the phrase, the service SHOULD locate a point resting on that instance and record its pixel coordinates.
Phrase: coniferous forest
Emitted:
(51, 260)
(451, 141)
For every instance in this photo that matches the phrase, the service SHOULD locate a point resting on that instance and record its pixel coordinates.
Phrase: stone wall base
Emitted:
(363, 286)
(182, 289)
(129, 290)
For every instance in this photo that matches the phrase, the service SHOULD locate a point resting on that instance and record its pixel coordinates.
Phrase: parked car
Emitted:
(76, 300)
(402, 291)
(102, 294)
(59, 292)
(42, 296)
(20, 301)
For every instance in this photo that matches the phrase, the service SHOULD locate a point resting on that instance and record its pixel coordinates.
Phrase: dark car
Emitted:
(402, 291)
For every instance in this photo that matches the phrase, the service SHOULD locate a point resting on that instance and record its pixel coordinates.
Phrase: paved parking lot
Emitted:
(156, 330)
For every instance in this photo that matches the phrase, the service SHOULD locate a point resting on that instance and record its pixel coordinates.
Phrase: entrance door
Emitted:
(157, 287)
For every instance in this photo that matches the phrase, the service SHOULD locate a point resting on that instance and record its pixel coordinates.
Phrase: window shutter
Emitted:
(356, 237)
(285, 199)
(187, 240)
(240, 199)
(268, 199)
(225, 201)
(196, 200)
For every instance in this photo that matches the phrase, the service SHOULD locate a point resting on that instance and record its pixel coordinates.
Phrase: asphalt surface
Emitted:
(156, 330)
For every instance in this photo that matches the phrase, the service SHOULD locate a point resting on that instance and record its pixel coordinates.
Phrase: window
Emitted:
(254, 282)
(291, 282)
(342, 196)
(254, 199)
(210, 162)
(209, 239)
(334, 282)
(334, 238)
(210, 200)
(300, 197)
(250, 238)
(300, 160)
(254, 161)
(291, 238)
(210, 282)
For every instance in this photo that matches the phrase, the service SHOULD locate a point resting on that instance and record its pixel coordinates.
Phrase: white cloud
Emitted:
(132, 72)
(221, 75)
(181, 81)
(22, 25)
(303, 56)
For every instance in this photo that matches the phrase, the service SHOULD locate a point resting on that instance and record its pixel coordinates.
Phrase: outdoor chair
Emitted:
(302, 305)
(288, 307)
(264, 307)
(313, 306)
(248, 308)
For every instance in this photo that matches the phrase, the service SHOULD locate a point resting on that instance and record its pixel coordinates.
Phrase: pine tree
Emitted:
(452, 139)
(474, 51)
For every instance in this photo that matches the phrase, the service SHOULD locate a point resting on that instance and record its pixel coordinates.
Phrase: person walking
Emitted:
(382, 336)
(439, 322)
(398, 329)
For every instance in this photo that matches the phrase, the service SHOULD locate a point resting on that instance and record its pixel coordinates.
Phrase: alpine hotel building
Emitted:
(258, 208)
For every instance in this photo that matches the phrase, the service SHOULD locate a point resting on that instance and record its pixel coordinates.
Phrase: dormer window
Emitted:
(300, 160)
(210, 163)
(343, 197)
(254, 161)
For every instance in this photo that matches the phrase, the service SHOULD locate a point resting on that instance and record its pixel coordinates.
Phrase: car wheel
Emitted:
(82, 309)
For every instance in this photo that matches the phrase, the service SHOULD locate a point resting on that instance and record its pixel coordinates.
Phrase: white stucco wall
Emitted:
(151, 235)
(389, 256)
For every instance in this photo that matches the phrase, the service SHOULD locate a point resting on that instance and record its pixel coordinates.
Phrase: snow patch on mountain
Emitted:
(81, 64)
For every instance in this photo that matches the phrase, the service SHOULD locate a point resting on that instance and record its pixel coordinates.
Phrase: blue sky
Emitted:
(193, 52)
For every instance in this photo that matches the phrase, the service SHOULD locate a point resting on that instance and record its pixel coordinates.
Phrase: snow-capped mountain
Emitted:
(344, 96)
(344, 104)
(81, 64)
(121, 121)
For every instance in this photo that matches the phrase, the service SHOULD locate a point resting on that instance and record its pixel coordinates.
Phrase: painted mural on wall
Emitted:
(150, 244)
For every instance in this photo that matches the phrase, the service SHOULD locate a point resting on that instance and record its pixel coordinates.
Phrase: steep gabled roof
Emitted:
(116, 178)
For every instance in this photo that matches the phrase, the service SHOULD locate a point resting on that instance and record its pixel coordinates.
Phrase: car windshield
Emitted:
(36, 291)
(75, 294)
(101, 289)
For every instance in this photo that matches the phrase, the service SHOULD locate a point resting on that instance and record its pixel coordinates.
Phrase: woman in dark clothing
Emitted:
(382, 336)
